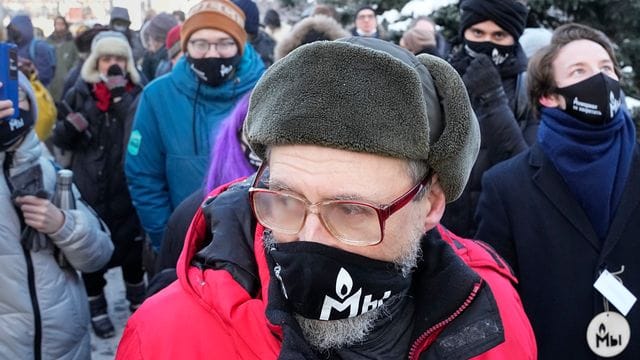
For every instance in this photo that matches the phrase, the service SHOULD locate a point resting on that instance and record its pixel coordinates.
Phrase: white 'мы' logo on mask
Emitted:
(497, 58)
(614, 104)
(16, 124)
(224, 70)
(344, 285)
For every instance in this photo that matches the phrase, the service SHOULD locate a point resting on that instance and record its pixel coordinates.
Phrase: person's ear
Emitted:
(550, 101)
(437, 202)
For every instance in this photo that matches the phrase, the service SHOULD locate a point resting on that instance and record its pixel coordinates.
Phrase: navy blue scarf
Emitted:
(594, 161)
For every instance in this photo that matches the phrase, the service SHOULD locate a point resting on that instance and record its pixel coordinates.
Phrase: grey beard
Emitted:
(325, 335)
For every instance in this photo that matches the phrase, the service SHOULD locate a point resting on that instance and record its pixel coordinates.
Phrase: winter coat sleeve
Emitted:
(129, 347)
(145, 171)
(176, 230)
(65, 135)
(122, 109)
(493, 220)
(519, 339)
(501, 134)
(42, 61)
(83, 239)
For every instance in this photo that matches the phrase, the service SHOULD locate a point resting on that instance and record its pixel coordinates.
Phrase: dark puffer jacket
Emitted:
(98, 160)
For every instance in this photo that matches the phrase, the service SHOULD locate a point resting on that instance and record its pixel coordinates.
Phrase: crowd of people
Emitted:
(316, 191)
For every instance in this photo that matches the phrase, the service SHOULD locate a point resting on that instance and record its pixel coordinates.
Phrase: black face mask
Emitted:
(324, 283)
(214, 71)
(595, 100)
(497, 53)
(12, 129)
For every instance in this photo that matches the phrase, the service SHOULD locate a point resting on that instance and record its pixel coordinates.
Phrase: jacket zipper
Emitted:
(276, 271)
(37, 321)
(428, 337)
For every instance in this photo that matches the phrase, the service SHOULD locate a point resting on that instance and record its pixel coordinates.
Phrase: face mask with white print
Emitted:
(214, 71)
(594, 100)
(498, 53)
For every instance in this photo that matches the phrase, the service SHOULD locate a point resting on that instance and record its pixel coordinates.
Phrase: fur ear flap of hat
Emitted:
(313, 28)
(396, 106)
(108, 43)
(453, 154)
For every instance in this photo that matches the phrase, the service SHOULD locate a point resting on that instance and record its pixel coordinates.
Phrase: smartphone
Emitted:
(9, 75)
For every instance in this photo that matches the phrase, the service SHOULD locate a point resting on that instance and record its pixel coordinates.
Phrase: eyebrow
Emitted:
(583, 63)
(278, 185)
(214, 40)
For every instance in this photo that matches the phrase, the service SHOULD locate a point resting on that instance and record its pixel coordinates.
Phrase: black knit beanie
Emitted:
(368, 95)
(510, 15)
(364, 7)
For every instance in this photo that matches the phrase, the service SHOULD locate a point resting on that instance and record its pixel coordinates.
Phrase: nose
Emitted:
(212, 52)
(313, 230)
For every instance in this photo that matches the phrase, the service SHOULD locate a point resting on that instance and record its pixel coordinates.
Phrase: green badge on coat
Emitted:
(134, 143)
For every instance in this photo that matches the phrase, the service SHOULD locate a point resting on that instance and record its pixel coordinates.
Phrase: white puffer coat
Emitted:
(44, 309)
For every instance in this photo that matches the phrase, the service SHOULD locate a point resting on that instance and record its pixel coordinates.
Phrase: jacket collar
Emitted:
(25, 155)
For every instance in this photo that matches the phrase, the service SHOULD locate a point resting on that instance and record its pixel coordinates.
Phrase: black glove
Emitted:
(116, 82)
(482, 79)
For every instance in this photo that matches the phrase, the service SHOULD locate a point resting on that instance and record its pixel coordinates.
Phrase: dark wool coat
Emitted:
(98, 161)
(503, 136)
(527, 213)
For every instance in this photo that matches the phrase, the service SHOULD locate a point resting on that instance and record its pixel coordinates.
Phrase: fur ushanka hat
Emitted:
(108, 43)
(368, 95)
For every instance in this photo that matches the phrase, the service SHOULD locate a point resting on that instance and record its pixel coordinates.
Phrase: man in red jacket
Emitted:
(333, 249)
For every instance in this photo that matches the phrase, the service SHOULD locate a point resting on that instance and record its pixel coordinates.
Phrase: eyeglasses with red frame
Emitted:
(357, 223)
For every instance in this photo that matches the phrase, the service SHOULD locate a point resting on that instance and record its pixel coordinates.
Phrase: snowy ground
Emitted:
(105, 349)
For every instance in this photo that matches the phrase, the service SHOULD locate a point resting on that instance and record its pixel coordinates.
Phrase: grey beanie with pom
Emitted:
(368, 95)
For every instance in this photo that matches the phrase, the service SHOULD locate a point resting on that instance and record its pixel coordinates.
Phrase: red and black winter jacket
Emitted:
(222, 305)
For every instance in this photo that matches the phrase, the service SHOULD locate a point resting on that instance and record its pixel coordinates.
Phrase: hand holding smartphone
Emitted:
(9, 75)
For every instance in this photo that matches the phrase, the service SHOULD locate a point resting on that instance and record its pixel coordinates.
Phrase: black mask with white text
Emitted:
(325, 283)
(595, 100)
(12, 129)
(497, 53)
(214, 71)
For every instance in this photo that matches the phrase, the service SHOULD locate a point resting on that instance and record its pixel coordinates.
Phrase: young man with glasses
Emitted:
(333, 249)
(173, 132)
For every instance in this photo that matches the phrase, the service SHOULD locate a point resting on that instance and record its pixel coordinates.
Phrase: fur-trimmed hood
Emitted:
(108, 43)
(313, 28)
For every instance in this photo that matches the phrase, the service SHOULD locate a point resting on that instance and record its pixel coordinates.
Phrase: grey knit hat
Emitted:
(368, 95)
(159, 26)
